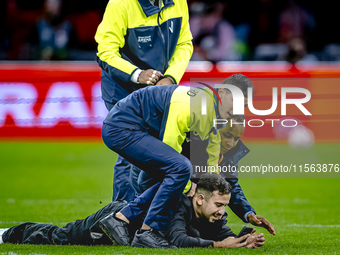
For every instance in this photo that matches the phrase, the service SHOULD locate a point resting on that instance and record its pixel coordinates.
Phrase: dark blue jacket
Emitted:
(185, 230)
(145, 110)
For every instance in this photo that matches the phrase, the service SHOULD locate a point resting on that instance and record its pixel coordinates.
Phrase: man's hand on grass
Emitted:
(231, 242)
(261, 222)
(255, 241)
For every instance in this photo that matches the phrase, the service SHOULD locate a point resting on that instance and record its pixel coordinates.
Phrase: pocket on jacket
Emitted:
(145, 37)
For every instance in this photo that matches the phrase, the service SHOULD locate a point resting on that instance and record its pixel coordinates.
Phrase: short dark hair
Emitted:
(241, 81)
(211, 182)
(238, 118)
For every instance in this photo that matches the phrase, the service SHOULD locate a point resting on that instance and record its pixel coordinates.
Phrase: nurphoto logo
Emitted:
(238, 104)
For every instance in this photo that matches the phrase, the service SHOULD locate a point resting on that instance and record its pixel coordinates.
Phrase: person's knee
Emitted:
(188, 166)
(106, 136)
(184, 169)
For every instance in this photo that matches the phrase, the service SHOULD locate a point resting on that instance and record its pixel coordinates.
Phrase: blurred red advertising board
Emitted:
(62, 100)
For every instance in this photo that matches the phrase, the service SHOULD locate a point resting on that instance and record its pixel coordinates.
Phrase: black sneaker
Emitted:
(151, 239)
(116, 229)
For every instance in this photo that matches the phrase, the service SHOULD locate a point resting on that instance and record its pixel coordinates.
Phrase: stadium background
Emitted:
(55, 168)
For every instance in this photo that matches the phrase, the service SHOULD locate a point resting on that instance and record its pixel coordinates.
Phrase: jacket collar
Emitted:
(150, 9)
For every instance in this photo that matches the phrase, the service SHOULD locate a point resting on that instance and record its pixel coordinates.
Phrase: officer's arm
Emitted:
(182, 54)
(110, 38)
(213, 150)
(177, 125)
(238, 202)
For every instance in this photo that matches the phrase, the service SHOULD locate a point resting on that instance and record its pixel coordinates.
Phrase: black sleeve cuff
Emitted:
(173, 80)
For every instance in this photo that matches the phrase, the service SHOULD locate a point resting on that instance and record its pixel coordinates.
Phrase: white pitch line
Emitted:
(313, 226)
(11, 222)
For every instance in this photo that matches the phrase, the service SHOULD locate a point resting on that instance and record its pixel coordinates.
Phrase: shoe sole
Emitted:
(108, 234)
(138, 245)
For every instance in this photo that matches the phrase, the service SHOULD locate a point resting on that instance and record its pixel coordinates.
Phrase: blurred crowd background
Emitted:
(231, 30)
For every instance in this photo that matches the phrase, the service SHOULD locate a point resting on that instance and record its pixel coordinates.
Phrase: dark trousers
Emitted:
(158, 159)
(142, 181)
(137, 208)
(122, 186)
(80, 232)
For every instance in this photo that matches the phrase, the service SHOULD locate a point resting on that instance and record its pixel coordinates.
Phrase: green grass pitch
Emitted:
(61, 182)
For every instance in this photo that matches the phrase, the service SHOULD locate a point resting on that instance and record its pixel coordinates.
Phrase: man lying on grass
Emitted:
(200, 221)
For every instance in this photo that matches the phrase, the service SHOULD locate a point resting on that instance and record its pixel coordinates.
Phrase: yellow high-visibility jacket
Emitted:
(136, 34)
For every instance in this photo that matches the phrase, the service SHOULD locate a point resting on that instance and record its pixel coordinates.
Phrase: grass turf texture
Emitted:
(60, 182)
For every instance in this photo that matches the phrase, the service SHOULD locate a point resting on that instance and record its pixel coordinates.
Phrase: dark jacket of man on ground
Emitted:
(186, 230)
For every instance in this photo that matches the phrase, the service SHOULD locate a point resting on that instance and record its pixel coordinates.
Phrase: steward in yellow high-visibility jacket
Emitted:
(137, 35)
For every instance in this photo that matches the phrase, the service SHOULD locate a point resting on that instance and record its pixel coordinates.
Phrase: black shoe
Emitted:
(151, 239)
(116, 229)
